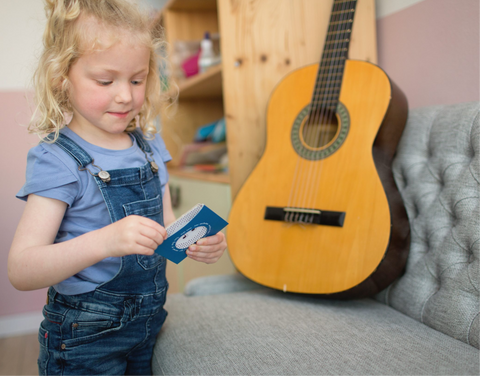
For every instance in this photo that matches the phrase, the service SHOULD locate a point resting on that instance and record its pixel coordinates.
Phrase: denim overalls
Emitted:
(111, 330)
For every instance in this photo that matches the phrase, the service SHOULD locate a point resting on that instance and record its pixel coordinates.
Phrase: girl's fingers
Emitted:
(148, 223)
(146, 251)
(146, 242)
(211, 240)
(209, 249)
(204, 254)
(152, 234)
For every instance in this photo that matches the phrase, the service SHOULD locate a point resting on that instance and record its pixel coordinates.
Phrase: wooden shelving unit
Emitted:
(200, 97)
(199, 102)
(203, 85)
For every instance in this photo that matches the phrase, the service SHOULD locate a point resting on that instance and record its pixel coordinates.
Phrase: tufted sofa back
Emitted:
(437, 170)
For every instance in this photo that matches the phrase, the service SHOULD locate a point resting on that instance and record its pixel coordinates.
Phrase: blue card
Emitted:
(197, 223)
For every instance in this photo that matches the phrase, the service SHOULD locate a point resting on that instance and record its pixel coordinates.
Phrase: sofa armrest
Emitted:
(220, 284)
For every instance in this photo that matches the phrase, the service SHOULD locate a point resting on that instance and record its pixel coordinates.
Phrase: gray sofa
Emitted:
(425, 323)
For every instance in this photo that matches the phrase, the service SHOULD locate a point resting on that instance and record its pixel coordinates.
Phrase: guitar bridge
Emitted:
(305, 216)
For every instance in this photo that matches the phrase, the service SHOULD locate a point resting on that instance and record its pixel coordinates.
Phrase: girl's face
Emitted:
(107, 89)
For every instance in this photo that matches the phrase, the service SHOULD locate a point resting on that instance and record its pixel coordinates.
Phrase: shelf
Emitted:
(203, 85)
(205, 176)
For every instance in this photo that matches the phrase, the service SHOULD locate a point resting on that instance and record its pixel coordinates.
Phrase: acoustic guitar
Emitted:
(320, 213)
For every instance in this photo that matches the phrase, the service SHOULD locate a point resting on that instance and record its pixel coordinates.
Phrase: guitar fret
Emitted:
(329, 92)
(315, 107)
(334, 93)
(333, 89)
(330, 89)
(343, 1)
(322, 102)
(331, 107)
(322, 99)
(335, 50)
(335, 58)
(332, 67)
(338, 5)
(339, 31)
(343, 11)
(330, 74)
(327, 71)
(321, 95)
(340, 22)
(330, 82)
(324, 90)
(334, 42)
(337, 41)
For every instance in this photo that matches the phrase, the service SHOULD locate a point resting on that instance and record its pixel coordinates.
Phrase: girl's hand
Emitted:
(133, 235)
(208, 250)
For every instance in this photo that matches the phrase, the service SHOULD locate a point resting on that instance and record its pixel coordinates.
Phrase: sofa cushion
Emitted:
(437, 170)
(220, 284)
(266, 332)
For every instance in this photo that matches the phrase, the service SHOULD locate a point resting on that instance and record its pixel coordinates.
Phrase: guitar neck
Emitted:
(335, 52)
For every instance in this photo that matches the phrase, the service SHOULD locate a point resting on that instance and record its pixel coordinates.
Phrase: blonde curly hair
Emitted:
(66, 38)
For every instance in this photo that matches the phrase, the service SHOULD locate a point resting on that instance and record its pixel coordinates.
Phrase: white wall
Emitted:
(21, 27)
(386, 7)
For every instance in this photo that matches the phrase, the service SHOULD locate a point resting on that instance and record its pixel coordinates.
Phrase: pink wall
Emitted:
(14, 146)
(431, 50)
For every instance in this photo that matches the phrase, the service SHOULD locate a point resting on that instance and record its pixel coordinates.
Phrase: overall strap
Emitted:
(142, 143)
(73, 149)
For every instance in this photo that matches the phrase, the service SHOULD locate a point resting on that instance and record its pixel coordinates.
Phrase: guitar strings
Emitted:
(317, 132)
(299, 186)
(321, 113)
(328, 110)
(314, 116)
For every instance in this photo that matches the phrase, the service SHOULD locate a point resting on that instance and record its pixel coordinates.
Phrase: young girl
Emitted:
(97, 194)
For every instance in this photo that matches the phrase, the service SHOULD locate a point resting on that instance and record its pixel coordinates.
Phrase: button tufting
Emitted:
(429, 152)
(439, 161)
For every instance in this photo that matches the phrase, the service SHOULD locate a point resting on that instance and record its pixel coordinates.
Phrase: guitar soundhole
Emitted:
(315, 136)
(319, 129)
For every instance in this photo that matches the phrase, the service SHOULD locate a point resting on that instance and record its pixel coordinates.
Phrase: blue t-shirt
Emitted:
(52, 173)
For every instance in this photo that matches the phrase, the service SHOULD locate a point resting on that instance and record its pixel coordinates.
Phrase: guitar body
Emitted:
(321, 259)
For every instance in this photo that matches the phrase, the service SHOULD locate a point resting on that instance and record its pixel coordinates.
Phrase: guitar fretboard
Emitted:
(335, 52)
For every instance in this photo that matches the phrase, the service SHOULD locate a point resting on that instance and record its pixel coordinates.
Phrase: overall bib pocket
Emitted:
(151, 209)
